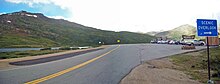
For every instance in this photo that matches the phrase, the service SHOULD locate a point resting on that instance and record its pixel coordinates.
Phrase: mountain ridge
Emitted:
(177, 32)
(26, 29)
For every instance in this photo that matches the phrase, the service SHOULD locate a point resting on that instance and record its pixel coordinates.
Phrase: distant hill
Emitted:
(25, 29)
(177, 33)
(153, 32)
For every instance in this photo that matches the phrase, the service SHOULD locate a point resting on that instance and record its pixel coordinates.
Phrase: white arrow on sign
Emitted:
(207, 32)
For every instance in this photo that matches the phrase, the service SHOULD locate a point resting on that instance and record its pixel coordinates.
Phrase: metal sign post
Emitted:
(207, 28)
(207, 38)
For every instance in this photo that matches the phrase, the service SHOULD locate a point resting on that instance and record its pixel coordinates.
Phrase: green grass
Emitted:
(24, 41)
(8, 55)
(195, 64)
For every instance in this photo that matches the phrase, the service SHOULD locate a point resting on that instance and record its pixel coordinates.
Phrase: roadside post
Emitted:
(118, 41)
(207, 28)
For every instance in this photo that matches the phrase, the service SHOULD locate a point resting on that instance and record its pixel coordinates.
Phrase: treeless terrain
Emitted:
(159, 71)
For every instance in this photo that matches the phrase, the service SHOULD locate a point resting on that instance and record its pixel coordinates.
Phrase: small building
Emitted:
(213, 41)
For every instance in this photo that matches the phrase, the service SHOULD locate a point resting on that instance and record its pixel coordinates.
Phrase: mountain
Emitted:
(25, 29)
(153, 32)
(177, 33)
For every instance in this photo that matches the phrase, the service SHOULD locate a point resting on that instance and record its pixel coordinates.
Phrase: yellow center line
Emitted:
(67, 70)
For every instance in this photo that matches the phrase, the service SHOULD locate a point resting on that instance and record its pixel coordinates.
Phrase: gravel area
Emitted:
(159, 71)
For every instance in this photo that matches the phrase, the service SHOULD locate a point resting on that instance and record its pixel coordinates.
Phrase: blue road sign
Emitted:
(207, 27)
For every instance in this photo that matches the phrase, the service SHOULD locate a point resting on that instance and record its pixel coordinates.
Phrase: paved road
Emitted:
(108, 66)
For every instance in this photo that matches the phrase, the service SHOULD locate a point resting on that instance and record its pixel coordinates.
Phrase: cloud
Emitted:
(63, 4)
(58, 17)
(166, 14)
(30, 2)
(2, 13)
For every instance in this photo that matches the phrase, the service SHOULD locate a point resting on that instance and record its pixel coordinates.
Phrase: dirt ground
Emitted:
(159, 71)
(4, 63)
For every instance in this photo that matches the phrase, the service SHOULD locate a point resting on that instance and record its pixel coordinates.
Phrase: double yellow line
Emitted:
(69, 69)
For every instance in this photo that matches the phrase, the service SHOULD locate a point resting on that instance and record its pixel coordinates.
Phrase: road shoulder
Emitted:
(158, 71)
(4, 63)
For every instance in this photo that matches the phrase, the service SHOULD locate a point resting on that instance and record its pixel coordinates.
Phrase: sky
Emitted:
(121, 15)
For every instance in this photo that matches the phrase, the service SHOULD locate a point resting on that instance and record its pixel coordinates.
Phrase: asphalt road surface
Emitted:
(106, 66)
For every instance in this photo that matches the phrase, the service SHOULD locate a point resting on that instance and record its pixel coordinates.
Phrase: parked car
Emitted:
(195, 42)
(159, 42)
(177, 42)
(174, 42)
(198, 42)
(153, 41)
(163, 42)
(182, 42)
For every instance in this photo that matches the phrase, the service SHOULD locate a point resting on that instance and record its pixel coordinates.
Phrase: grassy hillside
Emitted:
(177, 33)
(25, 41)
(24, 29)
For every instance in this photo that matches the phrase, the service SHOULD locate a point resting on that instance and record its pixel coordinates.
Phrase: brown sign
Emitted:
(213, 41)
(188, 36)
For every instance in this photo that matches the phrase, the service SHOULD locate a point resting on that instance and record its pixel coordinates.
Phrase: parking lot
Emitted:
(190, 42)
